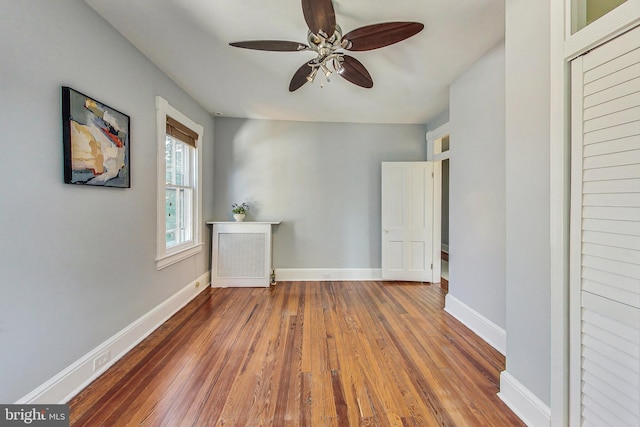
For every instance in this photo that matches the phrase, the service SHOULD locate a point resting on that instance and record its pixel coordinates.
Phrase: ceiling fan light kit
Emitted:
(326, 40)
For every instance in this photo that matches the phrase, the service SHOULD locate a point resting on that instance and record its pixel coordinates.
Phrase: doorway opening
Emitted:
(438, 151)
(444, 226)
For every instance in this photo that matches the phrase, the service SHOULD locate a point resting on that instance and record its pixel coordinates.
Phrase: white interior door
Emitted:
(605, 235)
(407, 221)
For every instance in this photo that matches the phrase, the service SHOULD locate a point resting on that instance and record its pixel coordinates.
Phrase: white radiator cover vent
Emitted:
(241, 254)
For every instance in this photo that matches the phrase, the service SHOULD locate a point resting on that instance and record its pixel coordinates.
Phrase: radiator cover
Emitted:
(241, 254)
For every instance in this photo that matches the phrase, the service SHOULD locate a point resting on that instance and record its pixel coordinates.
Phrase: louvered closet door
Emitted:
(605, 235)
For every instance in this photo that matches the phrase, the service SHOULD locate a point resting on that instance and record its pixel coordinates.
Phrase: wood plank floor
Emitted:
(304, 354)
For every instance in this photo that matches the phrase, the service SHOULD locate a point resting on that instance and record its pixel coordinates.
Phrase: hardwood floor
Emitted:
(308, 354)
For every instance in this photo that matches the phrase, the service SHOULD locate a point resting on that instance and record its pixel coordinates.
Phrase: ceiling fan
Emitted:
(326, 39)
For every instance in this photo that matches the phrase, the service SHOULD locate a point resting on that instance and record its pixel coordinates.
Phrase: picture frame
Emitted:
(96, 142)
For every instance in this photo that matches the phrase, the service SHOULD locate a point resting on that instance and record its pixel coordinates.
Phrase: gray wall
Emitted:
(438, 121)
(528, 233)
(477, 187)
(321, 179)
(77, 264)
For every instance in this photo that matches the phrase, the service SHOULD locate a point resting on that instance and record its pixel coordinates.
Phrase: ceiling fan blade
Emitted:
(271, 45)
(320, 16)
(300, 77)
(380, 35)
(353, 71)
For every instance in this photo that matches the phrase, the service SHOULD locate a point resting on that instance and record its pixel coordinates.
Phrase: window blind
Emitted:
(181, 132)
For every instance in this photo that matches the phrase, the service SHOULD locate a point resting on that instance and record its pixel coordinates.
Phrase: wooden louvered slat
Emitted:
(613, 159)
(613, 49)
(613, 92)
(626, 396)
(611, 361)
(615, 146)
(631, 200)
(619, 376)
(601, 366)
(622, 268)
(613, 286)
(610, 239)
(617, 345)
(615, 172)
(620, 214)
(613, 292)
(605, 412)
(622, 131)
(608, 252)
(609, 67)
(618, 104)
(620, 76)
(613, 119)
(612, 317)
(629, 156)
(610, 226)
(608, 398)
(622, 282)
(617, 186)
(592, 419)
(627, 400)
(622, 348)
(610, 352)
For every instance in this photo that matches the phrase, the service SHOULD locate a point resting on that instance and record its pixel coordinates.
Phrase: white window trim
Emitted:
(164, 257)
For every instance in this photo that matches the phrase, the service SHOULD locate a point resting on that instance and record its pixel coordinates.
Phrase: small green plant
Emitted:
(240, 208)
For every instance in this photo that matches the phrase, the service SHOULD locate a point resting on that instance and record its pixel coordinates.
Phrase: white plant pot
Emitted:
(239, 217)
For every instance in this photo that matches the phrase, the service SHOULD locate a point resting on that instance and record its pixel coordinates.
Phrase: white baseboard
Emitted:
(71, 380)
(493, 334)
(324, 274)
(531, 410)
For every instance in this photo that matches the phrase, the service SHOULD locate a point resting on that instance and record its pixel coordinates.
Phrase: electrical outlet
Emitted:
(197, 284)
(101, 360)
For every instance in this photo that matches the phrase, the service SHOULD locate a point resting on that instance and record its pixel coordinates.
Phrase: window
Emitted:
(179, 193)
(588, 11)
(179, 186)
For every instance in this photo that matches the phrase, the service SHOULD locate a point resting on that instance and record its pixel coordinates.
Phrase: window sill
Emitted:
(168, 260)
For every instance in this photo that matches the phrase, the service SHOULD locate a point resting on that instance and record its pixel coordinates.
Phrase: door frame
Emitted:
(436, 155)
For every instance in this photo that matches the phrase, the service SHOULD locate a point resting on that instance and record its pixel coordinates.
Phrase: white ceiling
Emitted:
(189, 41)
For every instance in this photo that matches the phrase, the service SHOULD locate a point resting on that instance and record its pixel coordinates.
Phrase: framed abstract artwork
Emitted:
(96, 142)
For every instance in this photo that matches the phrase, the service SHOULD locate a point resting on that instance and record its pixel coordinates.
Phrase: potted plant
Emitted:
(239, 211)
